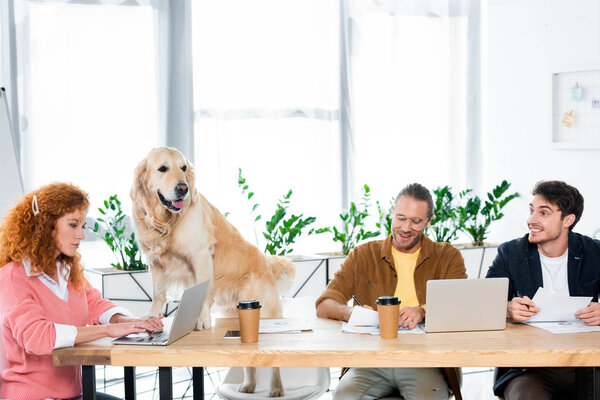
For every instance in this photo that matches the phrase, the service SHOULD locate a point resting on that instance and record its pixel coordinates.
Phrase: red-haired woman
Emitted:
(45, 301)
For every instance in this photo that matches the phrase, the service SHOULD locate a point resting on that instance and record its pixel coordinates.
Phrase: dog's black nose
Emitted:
(181, 189)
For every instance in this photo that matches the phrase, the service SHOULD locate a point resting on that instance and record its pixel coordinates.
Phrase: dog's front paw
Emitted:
(247, 387)
(276, 392)
(202, 325)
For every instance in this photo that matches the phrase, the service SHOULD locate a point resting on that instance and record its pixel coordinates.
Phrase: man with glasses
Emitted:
(400, 265)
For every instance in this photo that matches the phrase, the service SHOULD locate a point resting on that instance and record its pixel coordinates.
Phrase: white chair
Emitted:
(298, 384)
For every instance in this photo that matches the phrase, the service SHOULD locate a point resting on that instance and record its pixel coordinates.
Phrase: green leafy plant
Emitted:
(385, 218)
(353, 223)
(446, 222)
(281, 230)
(124, 247)
(477, 218)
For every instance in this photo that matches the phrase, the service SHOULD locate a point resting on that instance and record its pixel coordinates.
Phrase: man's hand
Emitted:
(409, 317)
(590, 314)
(521, 309)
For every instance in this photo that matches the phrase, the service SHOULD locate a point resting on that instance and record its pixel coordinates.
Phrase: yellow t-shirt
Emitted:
(405, 269)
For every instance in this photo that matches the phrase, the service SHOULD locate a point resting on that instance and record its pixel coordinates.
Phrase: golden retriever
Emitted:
(187, 241)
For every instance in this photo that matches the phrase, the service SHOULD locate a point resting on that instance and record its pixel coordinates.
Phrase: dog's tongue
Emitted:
(178, 203)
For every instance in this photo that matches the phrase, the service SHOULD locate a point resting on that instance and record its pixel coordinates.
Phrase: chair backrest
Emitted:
(290, 377)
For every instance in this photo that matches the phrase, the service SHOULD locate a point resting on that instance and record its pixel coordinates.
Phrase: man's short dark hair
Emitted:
(417, 192)
(565, 197)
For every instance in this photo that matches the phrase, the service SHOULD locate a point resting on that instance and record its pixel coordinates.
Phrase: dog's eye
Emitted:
(162, 168)
(184, 168)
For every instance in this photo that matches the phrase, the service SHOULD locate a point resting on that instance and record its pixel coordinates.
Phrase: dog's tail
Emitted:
(284, 272)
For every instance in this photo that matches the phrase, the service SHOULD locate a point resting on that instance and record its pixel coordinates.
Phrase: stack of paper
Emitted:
(557, 313)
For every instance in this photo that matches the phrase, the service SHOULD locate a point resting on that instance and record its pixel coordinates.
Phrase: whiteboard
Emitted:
(584, 130)
(11, 184)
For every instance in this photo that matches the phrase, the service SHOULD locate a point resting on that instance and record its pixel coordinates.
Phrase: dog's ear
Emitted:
(191, 177)
(139, 191)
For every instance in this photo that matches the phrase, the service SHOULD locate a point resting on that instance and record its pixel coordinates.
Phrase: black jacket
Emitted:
(519, 261)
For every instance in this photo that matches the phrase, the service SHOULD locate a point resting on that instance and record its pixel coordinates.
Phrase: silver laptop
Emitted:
(466, 305)
(183, 323)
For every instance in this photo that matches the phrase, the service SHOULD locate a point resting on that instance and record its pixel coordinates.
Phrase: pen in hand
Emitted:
(519, 296)
(356, 300)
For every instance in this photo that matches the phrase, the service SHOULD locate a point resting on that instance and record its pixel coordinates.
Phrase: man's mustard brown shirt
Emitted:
(369, 271)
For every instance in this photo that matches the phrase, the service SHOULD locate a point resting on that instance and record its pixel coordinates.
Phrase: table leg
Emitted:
(584, 376)
(198, 382)
(129, 378)
(165, 383)
(88, 377)
(596, 378)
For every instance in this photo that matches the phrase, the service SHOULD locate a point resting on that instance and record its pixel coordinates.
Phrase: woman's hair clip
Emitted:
(34, 205)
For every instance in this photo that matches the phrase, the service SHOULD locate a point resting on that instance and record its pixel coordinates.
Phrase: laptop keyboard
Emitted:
(158, 337)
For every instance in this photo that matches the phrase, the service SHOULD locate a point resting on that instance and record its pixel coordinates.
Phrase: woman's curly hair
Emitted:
(25, 235)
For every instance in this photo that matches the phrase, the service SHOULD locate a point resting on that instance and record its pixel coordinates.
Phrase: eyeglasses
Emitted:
(415, 223)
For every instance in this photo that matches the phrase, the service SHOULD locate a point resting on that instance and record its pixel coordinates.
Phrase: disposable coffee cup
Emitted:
(249, 312)
(388, 308)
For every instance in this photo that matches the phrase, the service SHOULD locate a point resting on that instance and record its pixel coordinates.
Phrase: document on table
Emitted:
(556, 308)
(284, 325)
(363, 320)
(565, 326)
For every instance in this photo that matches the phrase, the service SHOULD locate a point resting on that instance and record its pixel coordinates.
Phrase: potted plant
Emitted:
(477, 218)
(281, 232)
(385, 218)
(353, 228)
(446, 222)
(127, 282)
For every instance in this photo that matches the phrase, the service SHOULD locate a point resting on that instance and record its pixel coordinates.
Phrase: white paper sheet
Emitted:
(284, 325)
(363, 316)
(374, 329)
(363, 320)
(565, 326)
(557, 308)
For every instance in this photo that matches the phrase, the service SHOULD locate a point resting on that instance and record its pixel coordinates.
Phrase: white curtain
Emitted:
(317, 96)
(266, 95)
(408, 78)
(87, 93)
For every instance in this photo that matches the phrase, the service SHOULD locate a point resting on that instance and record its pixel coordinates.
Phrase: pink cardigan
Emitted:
(29, 309)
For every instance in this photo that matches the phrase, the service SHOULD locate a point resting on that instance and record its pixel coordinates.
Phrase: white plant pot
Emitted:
(129, 289)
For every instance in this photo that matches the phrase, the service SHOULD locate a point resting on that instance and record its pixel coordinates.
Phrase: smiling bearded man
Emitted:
(400, 266)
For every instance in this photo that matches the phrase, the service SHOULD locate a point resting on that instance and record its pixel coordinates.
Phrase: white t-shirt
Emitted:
(554, 273)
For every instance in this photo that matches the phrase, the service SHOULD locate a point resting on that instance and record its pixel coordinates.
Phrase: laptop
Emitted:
(184, 321)
(466, 305)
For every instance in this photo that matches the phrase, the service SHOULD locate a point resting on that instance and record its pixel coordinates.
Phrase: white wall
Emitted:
(526, 41)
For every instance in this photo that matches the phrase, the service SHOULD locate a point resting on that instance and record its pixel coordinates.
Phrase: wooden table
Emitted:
(326, 346)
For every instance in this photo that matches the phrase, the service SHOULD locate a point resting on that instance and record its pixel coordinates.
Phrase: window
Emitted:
(87, 92)
(409, 96)
(266, 91)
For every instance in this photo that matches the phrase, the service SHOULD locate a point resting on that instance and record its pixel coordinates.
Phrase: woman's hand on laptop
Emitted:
(150, 325)
(521, 309)
(409, 317)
